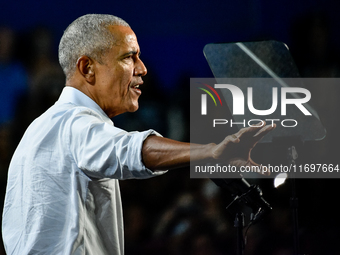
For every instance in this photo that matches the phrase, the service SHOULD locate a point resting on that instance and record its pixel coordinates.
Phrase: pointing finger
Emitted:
(250, 131)
(263, 131)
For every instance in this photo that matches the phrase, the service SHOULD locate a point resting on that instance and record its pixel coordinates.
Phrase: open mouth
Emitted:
(136, 88)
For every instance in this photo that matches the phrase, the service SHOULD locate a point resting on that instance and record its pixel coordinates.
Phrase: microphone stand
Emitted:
(244, 194)
(290, 144)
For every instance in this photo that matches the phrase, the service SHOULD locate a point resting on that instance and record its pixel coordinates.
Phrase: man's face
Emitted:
(119, 77)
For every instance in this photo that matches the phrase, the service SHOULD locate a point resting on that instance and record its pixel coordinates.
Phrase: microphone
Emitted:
(250, 195)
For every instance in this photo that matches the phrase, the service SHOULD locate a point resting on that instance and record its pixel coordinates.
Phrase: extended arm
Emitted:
(161, 153)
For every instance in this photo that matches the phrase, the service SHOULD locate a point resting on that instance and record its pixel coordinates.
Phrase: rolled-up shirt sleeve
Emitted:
(102, 150)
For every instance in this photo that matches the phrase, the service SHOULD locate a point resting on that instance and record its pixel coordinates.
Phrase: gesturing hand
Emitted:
(235, 149)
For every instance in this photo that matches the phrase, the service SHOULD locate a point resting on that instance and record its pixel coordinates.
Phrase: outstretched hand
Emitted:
(236, 149)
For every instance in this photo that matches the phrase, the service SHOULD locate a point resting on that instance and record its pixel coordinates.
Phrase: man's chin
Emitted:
(134, 107)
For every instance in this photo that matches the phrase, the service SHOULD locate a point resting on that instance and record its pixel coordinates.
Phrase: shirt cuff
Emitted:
(143, 172)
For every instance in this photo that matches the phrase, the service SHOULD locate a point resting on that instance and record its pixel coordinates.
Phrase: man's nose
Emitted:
(140, 69)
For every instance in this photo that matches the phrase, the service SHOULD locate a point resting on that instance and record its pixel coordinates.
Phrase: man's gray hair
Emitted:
(88, 35)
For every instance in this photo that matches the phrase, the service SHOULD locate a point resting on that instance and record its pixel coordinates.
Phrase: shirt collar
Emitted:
(75, 96)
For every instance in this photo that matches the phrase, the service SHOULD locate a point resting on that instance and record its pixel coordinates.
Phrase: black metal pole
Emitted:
(239, 224)
(294, 206)
(292, 156)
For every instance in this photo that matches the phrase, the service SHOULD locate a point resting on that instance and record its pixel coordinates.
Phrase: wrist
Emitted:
(211, 151)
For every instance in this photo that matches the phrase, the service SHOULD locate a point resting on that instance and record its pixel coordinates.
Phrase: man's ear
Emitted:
(85, 66)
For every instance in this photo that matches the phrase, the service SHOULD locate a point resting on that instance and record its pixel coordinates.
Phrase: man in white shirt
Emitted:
(63, 194)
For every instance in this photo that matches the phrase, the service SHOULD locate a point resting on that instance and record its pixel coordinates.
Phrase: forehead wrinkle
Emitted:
(128, 33)
(124, 42)
(121, 32)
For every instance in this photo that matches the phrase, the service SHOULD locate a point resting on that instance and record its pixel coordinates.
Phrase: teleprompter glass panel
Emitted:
(276, 74)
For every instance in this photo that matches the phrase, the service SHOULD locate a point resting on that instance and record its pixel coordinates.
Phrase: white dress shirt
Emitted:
(63, 193)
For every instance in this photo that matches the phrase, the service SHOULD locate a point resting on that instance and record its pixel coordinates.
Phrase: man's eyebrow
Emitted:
(133, 52)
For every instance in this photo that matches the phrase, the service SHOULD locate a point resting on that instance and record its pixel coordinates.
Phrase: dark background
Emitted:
(174, 214)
